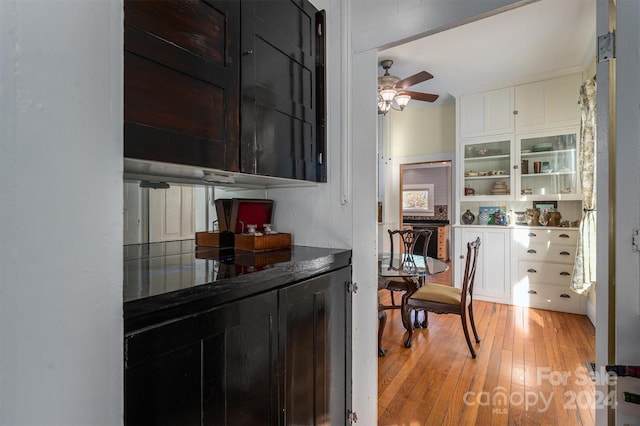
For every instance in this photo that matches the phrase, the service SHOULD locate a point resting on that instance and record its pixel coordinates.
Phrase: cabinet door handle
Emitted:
(533, 271)
(531, 251)
(531, 234)
(247, 52)
(565, 296)
(563, 236)
(564, 253)
(564, 273)
(532, 292)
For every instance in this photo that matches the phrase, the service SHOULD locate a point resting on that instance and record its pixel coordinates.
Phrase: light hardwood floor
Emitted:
(530, 370)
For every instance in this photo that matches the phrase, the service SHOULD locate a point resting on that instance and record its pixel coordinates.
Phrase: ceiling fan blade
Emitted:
(414, 79)
(419, 96)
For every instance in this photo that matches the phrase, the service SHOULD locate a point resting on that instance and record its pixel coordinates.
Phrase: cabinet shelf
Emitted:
(487, 177)
(537, 175)
(488, 157)
(548, 153)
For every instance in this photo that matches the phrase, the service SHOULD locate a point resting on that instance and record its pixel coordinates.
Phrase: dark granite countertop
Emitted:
(171, 279)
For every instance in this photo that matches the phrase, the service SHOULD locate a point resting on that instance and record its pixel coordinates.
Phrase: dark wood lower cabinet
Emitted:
(277, 358)
(314, 319)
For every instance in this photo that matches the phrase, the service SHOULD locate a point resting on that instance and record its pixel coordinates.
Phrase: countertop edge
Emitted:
(150, 311)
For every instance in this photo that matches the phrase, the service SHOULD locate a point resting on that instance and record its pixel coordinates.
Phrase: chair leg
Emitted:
(463, 318)
(406, 313)
(473, 323)
(420, 324)
(382, 321)
(393, 301)
(425, 322)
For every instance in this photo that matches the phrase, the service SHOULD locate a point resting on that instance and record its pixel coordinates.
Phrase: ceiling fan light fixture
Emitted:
(402, 100)
(392, 93)
(388, 95)
(383, 107)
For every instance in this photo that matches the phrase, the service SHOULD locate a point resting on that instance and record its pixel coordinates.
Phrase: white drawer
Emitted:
(526, 237)
(549, 297)
(547, 252)
(545, 273)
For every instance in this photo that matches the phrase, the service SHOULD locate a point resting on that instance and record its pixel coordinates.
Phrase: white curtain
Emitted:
(584, 271)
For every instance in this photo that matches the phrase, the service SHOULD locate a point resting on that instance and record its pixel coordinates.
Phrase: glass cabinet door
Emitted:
(487, 169)
(548, 166)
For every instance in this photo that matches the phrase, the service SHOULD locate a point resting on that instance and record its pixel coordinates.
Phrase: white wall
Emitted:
(409, 19)
(60, 213)
(422, 129)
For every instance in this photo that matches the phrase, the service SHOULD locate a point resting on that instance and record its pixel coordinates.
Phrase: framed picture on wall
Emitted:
(545, 206)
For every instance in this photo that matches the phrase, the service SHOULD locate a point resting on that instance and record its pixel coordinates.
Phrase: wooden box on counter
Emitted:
(215, 239)
(262, 242)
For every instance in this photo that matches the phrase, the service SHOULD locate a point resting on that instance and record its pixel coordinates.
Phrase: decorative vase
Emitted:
(468, 217)
(483, 218)
(498, 218)
(553, 218)
(533, 217)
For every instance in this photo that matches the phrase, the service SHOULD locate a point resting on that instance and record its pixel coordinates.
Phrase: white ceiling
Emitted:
(536, 41)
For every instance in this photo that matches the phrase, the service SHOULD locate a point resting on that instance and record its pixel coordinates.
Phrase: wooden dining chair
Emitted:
(410, 241)
(443, 299)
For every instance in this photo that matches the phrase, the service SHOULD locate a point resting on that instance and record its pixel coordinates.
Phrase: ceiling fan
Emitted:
(392, 90)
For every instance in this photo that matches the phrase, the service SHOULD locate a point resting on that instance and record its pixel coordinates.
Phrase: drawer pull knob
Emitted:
(531, 251)
(564, 273)
(565, 295)
(532, 292)
(531, 234)
(533, 271)
(563, 236)
(564, 253)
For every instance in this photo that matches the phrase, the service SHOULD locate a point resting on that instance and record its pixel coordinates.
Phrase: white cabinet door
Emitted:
(172, 214)
(485, 114)
(548, 165)
(494, 261)
(486, 172)
(548, 104)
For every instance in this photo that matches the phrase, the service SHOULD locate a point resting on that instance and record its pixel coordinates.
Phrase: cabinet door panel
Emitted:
(239, 387)
(216, 368)
(548, 104)
(487, 113)
(279, 98)
(165, 390)
(496, 263)
(493, 269)
(314, 319)
(181, 82)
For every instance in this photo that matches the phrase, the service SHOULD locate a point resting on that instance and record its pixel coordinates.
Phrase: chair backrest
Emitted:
(470, 269)
(412, 242)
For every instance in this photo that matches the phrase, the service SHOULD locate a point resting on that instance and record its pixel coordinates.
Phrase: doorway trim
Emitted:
(392, 185)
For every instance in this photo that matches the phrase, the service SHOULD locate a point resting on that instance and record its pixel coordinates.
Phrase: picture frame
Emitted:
(549, 206)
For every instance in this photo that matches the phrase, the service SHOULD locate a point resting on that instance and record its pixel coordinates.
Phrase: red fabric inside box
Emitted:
(250, 212)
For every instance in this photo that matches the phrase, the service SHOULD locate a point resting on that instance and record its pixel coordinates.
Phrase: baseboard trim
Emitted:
(591, 312)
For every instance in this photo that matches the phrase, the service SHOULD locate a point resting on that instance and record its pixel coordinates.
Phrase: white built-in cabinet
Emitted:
(542, 105)
(520, 144)
(544, 259)
(485, 114)
(492, 280)
(503, 167)
(547, 104)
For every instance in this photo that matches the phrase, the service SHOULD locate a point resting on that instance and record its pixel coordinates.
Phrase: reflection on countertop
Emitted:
(167, 275)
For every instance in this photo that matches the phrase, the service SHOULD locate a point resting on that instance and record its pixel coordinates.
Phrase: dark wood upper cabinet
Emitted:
(229, 85)
(281, 111)
(181, 82)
